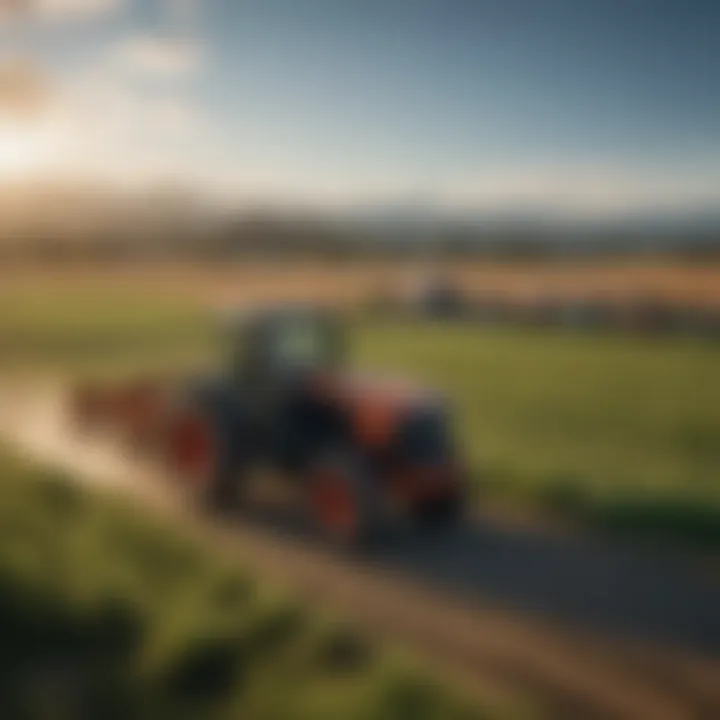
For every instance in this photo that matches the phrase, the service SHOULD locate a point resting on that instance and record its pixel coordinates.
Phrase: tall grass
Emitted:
(108, 613)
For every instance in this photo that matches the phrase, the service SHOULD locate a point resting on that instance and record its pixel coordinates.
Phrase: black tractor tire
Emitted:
(441, 513)
(345, 505)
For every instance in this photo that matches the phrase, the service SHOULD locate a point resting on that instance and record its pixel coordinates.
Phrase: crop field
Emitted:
(616, 431)
(694, 283)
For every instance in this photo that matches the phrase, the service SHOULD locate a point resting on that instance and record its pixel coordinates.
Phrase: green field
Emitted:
(77, 331)
(620, 432)
(108, 612)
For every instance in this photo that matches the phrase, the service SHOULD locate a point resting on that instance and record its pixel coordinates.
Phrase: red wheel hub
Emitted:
(334, 503)
(192, 448)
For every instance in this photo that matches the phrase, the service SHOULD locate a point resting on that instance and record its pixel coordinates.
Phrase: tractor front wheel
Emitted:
(345, 507)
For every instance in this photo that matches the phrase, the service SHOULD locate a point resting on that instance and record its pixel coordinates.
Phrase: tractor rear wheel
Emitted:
(345, 506)
(200, 455)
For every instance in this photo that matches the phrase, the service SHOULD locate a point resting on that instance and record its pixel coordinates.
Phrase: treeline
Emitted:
(633, 313)
(190, 234)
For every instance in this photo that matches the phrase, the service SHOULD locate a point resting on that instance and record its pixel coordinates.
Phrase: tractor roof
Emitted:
(274, 314)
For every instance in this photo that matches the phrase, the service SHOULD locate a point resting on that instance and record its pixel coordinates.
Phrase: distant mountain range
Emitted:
(66, 211)
(425, 216)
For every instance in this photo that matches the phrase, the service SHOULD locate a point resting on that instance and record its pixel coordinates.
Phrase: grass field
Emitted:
(107, 612)
(624, 432)
(617, 431)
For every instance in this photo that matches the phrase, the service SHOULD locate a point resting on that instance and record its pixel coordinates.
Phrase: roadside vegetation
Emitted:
(619, 432)
(109, 612)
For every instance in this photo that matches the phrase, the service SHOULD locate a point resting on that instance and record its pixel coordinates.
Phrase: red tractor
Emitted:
(359, 449)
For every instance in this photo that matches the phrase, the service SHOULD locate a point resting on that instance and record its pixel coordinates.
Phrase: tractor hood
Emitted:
(361, 388)
(377, 404)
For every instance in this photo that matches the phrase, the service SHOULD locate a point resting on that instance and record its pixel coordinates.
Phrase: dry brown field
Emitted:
(684, 283)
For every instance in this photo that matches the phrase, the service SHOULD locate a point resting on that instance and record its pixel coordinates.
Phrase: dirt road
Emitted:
(589, 628)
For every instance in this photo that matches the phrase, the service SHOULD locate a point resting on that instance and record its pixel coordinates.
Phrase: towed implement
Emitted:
(357, 450)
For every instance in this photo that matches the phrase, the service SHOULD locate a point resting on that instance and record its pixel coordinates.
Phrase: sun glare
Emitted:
(21, 150)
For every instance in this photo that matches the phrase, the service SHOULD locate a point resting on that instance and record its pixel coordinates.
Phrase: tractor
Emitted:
(358, 450)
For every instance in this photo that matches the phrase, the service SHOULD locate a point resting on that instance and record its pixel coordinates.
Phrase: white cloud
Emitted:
(76, 7)
(57, 10)
(183, 16)
(112, 128)
(586, 190)
(131, 114)
(153, 55)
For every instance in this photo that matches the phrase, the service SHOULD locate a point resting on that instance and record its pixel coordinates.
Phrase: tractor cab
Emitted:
(285, 344)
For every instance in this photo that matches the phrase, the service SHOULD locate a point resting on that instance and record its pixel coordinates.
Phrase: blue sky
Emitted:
(578, 106)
